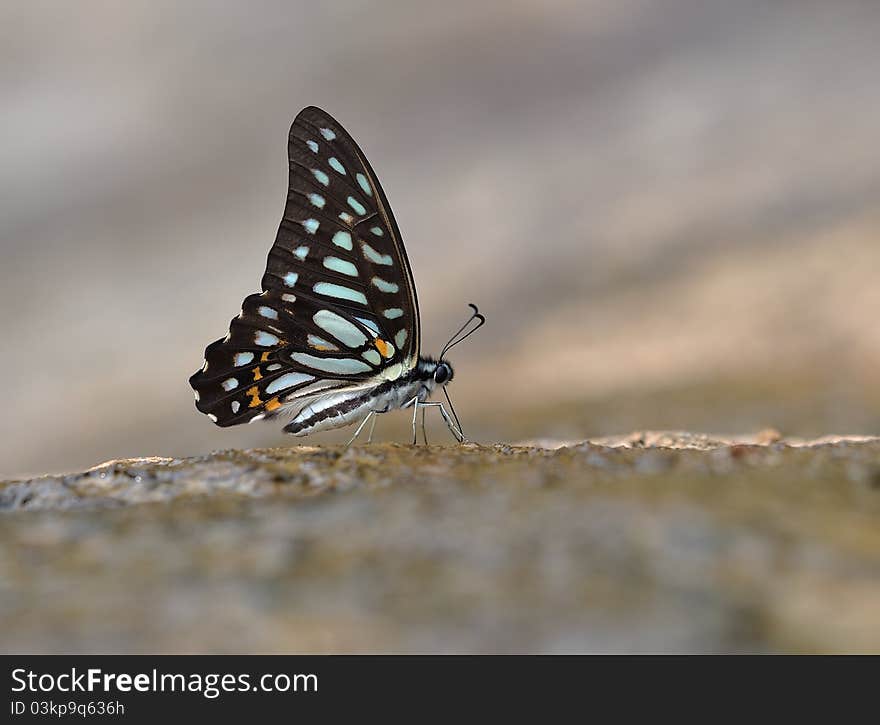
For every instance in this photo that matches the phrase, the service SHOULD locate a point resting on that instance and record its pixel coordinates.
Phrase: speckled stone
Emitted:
(649, 542)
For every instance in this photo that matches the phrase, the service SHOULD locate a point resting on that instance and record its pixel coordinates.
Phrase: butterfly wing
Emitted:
(338, 308)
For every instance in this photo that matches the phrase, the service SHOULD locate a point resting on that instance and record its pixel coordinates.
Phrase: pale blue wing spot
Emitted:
(341, 266)
(229, 384)
(312, 145)
(301, 253)
(265, 339)
(328, 134)
(392, 372)
(317, 200)
(288, 380)
(372, 356)
(311, 225)
(375, 257)
(290, 279)
(364, 184)
(400, 338)
(393, 313)
(369, 324)
(340, 328)
(288, 298)
(335, 165)
(356, 205)
(389, 350)
(331, 364)
(273, 367)
(242, 358)
(268, 312)
(377, 231)
(346, 217)
(319, 343)
(235, 406)
(329, 289)
(383, 286)
(343, 239)
(321, 177)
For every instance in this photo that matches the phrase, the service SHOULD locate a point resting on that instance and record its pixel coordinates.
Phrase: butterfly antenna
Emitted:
(475, 315)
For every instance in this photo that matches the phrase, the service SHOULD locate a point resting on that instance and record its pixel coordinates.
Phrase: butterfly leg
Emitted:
(415, 413)
(360, 427)
(414, 402)
(372, 428)
(424, 432)
(453, 428)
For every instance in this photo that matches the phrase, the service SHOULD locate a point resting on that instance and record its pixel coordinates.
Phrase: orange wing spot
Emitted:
(381, 346)
(257, 374)
(264, 356)
(255, 397)
(322, 348)
(273, 404)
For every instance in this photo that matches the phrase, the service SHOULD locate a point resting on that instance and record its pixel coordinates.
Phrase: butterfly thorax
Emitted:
(338, 409)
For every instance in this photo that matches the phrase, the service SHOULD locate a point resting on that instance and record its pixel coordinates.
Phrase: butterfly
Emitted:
(333, 338)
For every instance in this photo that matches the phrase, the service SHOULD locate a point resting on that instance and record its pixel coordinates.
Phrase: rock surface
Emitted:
(648, 542)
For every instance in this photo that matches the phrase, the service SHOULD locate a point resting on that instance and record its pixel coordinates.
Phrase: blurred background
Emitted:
(669, 210)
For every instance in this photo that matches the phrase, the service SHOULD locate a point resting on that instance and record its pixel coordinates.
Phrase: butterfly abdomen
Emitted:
(330, 411)
(336, 410)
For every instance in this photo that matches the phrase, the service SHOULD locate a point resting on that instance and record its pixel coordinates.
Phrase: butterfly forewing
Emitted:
(336, 202)
(338, 307)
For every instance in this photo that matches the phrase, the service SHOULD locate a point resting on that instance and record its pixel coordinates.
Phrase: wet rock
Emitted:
(654, 541)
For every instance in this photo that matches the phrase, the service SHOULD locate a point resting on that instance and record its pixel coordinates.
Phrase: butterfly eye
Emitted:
(442, 373)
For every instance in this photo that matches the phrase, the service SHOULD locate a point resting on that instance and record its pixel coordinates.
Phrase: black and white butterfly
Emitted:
(333, 338)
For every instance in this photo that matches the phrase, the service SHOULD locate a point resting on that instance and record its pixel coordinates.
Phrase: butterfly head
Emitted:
(443, 372)
(433, 372)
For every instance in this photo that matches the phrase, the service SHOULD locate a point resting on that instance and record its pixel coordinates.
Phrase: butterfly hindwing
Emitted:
(338, 307)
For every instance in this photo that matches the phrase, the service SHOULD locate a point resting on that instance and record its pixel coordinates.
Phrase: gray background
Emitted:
(667, 209)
